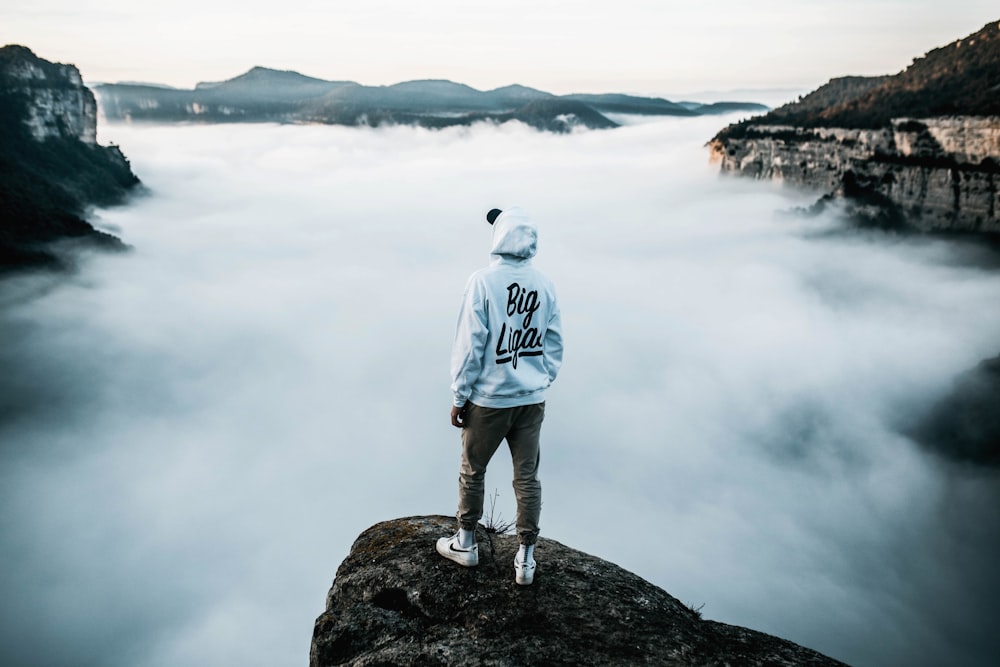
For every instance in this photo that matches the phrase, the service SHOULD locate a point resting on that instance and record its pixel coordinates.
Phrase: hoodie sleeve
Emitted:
(553, 344)
(469, 348)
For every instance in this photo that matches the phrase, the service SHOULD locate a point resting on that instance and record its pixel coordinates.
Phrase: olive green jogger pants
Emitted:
(484, 430)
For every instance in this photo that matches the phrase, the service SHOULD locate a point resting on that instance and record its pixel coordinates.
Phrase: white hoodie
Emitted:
(508, 344)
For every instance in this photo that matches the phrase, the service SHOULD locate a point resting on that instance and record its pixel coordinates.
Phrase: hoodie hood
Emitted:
(514, 235)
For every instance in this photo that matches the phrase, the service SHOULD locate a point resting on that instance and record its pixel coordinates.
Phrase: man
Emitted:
(507, 351)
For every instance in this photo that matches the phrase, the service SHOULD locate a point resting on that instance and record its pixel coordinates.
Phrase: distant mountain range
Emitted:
(268, 95)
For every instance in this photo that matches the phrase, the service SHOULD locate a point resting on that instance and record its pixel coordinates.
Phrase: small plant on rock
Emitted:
(494, 522)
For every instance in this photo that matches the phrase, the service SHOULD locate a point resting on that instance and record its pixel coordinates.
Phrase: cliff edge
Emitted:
(395, 601)
(919, 149)
(51, 167)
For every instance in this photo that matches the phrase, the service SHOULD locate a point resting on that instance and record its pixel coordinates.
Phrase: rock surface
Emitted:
(395, 601)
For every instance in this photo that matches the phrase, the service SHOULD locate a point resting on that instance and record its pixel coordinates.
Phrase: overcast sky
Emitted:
(643, 46)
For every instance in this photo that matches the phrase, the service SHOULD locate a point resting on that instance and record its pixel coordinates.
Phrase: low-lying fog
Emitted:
(193, 434)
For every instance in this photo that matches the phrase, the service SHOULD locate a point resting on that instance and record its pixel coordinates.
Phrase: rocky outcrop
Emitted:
(395, 601)
(51, 167)
(965, 424)
(918, 149)
(934, 174)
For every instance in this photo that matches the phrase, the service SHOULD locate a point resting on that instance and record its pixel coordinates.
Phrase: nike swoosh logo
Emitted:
(451, 547)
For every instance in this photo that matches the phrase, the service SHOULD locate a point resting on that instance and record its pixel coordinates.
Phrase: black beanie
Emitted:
(492, 216)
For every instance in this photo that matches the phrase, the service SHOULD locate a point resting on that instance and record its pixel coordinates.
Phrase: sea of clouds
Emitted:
(192, 434)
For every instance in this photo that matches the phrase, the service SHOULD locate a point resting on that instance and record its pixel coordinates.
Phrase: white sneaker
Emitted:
(452, 550)
(524, 571)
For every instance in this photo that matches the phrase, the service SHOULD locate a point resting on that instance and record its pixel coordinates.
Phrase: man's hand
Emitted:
(458, 416)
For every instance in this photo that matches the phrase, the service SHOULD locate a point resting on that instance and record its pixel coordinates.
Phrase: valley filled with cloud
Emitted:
(196, 431)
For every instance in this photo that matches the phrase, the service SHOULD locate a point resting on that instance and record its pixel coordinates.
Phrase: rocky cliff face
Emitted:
(936, 174)
(920, 148)
(59, 105)
(395, 601)
(51, 168)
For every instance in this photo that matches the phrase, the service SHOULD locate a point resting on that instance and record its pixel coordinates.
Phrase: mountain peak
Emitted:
(16, 51)
(435, 86)
(518, 88)
(259, 72)
(257, 75)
